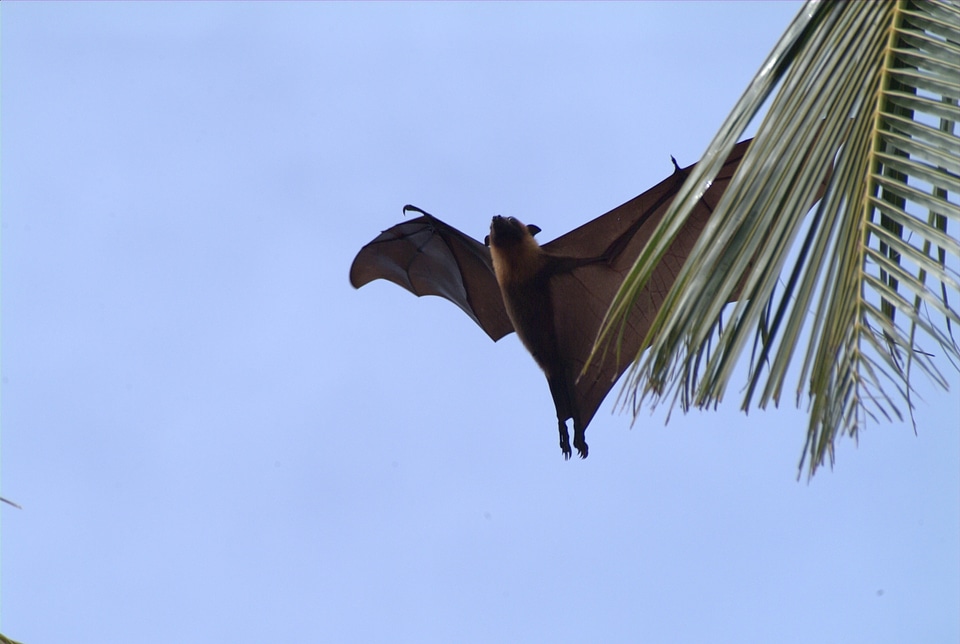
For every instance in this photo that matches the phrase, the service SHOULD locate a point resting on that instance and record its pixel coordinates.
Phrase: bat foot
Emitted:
(581, 446)
(565, 442)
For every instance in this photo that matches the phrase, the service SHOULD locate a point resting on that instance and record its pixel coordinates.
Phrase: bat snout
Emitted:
(503, 230)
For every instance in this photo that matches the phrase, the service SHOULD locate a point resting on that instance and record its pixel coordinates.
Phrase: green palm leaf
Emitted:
(867, 107)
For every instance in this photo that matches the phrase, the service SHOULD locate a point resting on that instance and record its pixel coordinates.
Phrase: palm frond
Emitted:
(865, 113)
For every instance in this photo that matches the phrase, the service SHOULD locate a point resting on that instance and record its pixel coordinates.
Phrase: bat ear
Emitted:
(486, 240)
(533, 229)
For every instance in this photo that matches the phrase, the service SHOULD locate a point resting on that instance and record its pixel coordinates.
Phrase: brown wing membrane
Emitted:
(428, 257)
(581, 296)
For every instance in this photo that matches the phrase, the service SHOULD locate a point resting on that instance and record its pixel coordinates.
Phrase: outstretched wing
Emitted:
(581, 296)
(428, 257)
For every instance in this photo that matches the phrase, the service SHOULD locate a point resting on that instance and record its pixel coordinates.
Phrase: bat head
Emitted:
(509, 231)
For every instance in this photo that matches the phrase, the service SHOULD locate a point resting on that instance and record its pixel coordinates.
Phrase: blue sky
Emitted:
(215, 438)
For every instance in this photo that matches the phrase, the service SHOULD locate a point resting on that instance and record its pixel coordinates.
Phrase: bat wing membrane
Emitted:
(428, 257)
(605, 250)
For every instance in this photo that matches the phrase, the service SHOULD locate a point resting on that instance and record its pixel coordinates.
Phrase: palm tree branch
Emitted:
(864, 114)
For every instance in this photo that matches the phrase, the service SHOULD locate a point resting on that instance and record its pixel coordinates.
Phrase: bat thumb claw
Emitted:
(413, 208)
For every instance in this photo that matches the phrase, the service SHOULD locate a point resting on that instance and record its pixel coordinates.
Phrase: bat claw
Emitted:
(565, 441)
(413, 208)
(580, 441)
(581, 444)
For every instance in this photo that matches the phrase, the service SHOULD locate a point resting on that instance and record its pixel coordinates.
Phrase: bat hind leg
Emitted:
(564, 439)
(580, 439)
(566, 408)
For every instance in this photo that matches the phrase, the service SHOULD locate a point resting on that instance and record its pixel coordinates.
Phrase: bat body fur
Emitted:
(523, 271)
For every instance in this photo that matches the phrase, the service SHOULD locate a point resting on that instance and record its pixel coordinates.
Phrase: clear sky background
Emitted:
(215, 438)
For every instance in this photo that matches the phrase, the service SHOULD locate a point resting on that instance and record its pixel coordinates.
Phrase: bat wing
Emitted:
(428, 257)
(582, 295)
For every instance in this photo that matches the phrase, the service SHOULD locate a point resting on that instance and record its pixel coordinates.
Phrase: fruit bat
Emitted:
(555, 295)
